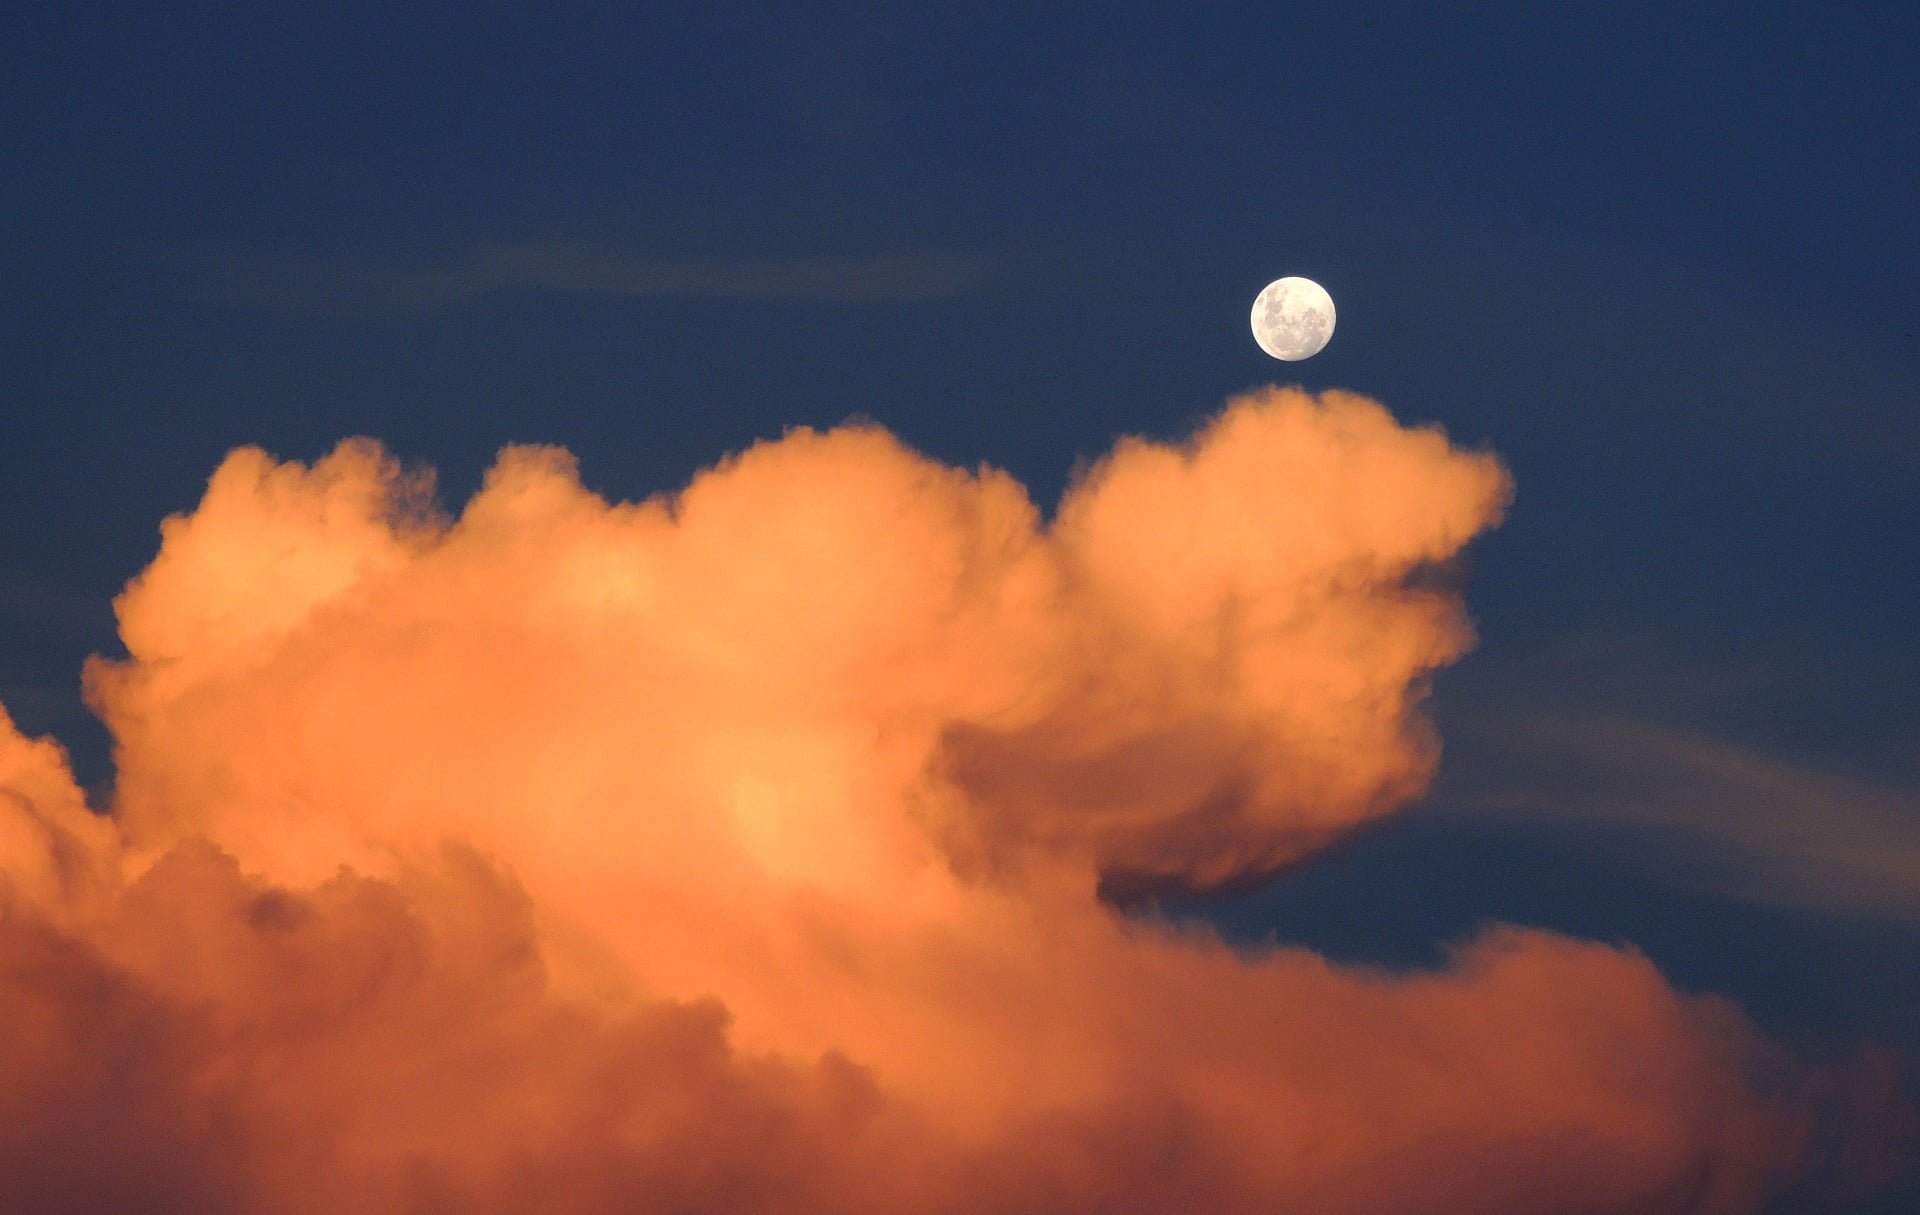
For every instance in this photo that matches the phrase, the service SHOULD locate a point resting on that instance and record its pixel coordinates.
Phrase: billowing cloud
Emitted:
(745, 849)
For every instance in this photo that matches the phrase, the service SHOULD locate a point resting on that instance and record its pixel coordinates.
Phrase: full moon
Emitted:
(1293, 318)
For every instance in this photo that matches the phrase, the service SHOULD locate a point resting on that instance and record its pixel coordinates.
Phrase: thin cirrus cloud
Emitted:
(1748, 824)
(401, 286)
(742, 849)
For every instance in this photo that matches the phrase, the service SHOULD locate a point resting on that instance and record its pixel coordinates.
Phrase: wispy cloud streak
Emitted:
(397, 285)
(1747, 823)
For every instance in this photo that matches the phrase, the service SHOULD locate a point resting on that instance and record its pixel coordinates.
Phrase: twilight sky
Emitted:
(1663, 265)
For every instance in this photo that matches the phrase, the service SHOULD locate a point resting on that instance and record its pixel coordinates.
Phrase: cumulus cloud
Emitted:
(746, 849)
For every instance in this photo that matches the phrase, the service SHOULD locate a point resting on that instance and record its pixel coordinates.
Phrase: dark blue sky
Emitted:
(1665, 262)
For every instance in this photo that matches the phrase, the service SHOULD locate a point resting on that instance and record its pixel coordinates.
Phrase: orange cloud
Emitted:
(744, 850)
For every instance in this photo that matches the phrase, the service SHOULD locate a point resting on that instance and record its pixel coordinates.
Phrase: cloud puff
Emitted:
(745, 850)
